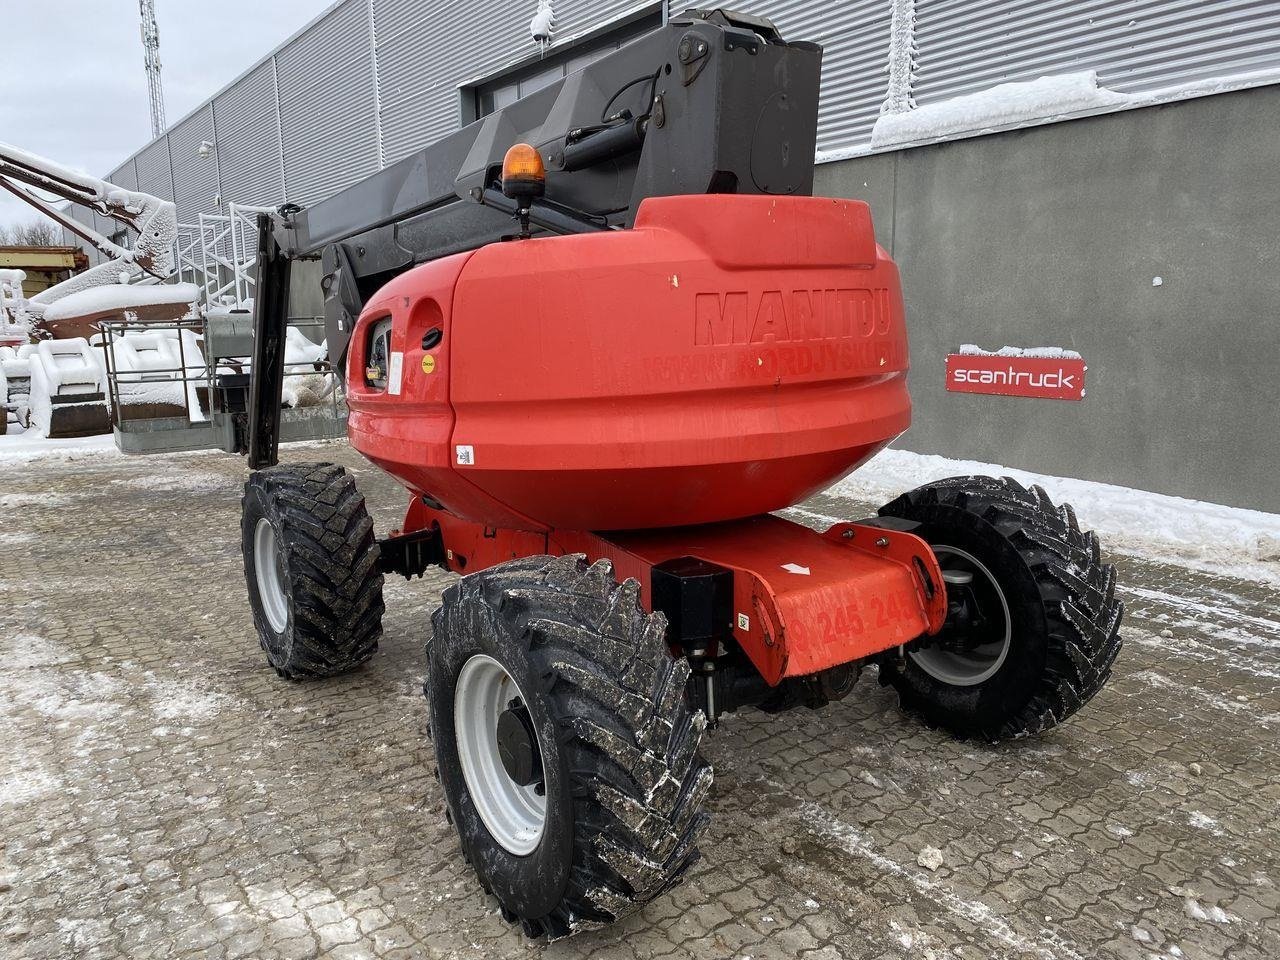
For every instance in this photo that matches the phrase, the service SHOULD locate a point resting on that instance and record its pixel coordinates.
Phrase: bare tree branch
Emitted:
(34, 233)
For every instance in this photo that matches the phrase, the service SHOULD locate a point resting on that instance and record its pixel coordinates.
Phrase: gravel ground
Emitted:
(164, 794)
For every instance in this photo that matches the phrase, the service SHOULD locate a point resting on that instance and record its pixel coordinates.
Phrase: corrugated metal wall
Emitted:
(855, 56)
(373, 80)
(248, 146)
(327, 105)
(419, 99)
(195, 175)
(126, 176)
(155, 174)
(1134, 45)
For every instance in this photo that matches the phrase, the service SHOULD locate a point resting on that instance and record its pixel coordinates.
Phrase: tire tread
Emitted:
(335, 580)
(1077, 590)
(629, 737)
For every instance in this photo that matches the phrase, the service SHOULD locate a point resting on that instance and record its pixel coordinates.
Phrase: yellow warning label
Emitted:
(428, 364)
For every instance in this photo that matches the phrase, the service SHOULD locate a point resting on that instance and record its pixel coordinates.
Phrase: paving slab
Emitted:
(164, 794)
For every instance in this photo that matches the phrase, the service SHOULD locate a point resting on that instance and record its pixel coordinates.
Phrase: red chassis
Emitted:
(802, 601)
(672, 384)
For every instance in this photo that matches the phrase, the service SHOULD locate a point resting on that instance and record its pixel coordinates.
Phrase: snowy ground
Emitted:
(163, 794)
(23, 446)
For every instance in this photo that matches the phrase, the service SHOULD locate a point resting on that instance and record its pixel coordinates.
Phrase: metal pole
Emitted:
(902, 58)
(270, 320)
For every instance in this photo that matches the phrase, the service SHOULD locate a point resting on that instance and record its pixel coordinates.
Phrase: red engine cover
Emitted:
(726, 357)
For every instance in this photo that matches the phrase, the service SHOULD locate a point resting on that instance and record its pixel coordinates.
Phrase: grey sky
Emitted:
(72, 86)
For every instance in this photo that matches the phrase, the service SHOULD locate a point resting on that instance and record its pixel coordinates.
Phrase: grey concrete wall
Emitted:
(1051, 236)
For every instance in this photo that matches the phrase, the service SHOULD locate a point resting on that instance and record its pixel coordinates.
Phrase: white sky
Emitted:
(72, 86)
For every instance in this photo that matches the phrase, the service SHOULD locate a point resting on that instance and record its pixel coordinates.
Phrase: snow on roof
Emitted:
(1000, 106)
(1048, 353)
(120, 297)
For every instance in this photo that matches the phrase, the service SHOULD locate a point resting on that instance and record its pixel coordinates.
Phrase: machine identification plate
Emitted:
(1048, 378)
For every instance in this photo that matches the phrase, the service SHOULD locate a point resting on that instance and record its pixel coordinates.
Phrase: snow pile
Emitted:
(24, 446)
(302, 388)
(1205, 536)
(120, 297)
(1045, 353)
(1004, 105)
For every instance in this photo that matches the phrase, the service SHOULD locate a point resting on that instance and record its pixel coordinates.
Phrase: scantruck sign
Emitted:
(1048, 373)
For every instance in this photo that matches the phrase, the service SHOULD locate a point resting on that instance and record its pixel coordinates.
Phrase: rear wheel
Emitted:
(311, 565)
(566, 750)
(1033, 622)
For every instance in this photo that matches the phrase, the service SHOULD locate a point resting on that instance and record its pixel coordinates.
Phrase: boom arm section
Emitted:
(711, 102)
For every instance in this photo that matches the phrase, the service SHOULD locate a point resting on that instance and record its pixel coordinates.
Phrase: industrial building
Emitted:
(1047, 173)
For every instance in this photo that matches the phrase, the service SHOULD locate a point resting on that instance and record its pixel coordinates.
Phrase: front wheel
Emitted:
(311, 566)
(566, 750)
(1033, 623)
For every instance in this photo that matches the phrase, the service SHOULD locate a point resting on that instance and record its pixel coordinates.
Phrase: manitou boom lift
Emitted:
(599, 336)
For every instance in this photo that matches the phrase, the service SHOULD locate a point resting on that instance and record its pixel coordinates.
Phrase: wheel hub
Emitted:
(518, 745)
(499, 753)
(268, 565)
(975, 639)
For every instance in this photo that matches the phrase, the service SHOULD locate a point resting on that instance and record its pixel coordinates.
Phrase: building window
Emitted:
(512, 84)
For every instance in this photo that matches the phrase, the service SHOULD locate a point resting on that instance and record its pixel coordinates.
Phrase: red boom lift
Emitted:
(594, 413)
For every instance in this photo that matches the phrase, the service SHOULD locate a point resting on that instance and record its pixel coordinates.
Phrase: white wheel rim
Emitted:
(974, 666)
(267, 564)
(514, 815)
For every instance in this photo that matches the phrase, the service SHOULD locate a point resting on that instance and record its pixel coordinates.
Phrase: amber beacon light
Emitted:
(524, 177)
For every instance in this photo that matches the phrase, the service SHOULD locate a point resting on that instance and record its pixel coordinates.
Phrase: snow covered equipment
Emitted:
(15, 372)
(596, 385)
(180, 384)
(155, 374)
(68, 389)
(150, 221)
(15, 326)
(80, 314)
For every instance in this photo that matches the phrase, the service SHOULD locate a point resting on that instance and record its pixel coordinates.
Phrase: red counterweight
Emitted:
(727, 357)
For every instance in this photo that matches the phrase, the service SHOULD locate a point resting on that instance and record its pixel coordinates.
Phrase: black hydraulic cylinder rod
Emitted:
(604, 145)
(270, 320)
